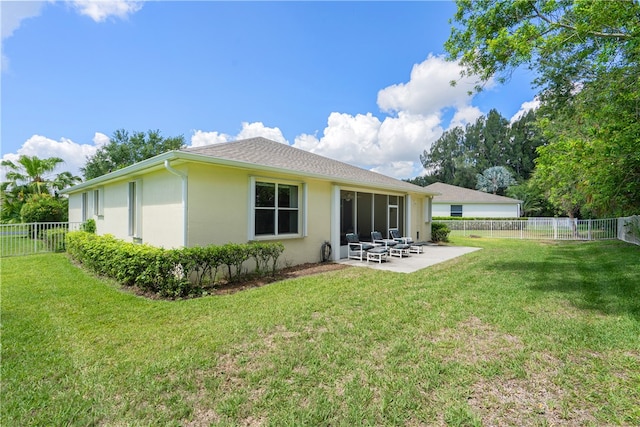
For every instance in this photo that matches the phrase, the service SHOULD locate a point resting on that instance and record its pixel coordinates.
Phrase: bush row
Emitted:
(466, 218)
(487, 224)
(170, 272)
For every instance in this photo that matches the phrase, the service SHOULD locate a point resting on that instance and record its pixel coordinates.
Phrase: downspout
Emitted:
(185, 205)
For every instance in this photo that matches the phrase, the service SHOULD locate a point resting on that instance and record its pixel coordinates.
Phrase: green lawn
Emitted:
(519, 333)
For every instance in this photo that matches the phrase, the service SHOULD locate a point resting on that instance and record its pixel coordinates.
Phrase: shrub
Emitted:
(89, 226)
(44, 208)
(439, 232)
(169, 273)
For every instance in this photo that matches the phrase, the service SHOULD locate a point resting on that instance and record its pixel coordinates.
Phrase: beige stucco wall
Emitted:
(75, 207)
(160, 209)
(162, 212)
(420, 221)
(219, 210)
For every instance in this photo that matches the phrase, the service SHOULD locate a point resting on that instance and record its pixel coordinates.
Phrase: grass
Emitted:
(519, 333)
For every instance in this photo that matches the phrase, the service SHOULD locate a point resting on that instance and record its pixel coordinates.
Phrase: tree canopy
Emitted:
(460, 154)
(124, 149)
(585, 54)
(30, 181)
(494, 179)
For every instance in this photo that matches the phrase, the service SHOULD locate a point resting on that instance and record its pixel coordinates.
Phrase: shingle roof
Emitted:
(267, 153)
(453, 194)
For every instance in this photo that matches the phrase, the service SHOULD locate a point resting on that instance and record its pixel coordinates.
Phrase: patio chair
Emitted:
(395, 248)
(394, 234)
(363, 250)
(378, 240)
(414, 247)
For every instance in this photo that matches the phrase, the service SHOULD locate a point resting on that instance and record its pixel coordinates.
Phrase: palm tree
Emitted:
(32, 171)
(29, 177)
(64, 180)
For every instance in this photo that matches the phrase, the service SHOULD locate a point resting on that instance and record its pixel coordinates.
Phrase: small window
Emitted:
(133, 202)
(98, 202)
(276, 209)
(85, 206)
(456, 210)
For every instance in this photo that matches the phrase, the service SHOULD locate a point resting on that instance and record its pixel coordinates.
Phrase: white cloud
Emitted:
(74, 154)
(256, 129)
(402, 170)
(465, 115)
(200, 138)
(100, 139)
(101, 10)
(524, 109)
(12, 14)
(428, 90)
(393, 145)
(249, 130)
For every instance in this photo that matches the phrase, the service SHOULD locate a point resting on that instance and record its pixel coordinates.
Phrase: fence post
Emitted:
(521, 223)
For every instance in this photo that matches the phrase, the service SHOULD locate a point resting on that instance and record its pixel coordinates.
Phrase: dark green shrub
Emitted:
(89, 226)
(439, 232)
(266, 256)
(44, 208)
(170, 273)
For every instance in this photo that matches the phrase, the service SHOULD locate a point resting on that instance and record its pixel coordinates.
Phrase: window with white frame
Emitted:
(85, 206)
(133, 208)
(276, 209)
(98, 202)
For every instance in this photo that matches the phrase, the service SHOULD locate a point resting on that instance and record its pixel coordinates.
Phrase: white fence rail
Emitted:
(27, 239)
(545, 228)
(40, 237)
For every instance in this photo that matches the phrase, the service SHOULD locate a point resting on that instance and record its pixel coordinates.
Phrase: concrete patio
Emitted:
(432, 254)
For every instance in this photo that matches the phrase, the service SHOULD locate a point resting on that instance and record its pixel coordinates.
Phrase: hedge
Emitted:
(467, 218)
(170, 272)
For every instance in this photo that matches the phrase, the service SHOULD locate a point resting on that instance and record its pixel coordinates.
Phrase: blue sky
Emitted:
(361, 82)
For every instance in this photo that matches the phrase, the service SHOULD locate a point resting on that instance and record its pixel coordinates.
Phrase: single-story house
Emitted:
(463, 202)
(250, 190)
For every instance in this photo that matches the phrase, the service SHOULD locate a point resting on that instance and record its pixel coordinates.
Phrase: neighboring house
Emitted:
(463, 202)
(253, 189)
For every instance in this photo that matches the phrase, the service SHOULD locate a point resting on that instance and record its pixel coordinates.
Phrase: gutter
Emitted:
(185, 199)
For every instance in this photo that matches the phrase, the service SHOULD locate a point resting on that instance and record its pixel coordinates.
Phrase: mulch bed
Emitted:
(286, 273)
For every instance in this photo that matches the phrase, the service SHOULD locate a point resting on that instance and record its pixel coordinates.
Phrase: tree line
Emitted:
(30, 192)
(586, 58)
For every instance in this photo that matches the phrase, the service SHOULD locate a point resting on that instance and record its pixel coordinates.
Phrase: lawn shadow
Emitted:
(603, 278)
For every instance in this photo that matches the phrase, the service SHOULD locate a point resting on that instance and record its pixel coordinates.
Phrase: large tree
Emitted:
(124, 149)
(585, 54)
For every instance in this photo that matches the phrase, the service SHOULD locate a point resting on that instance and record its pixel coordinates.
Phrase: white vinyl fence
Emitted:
(27, 239)
(547, 228)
